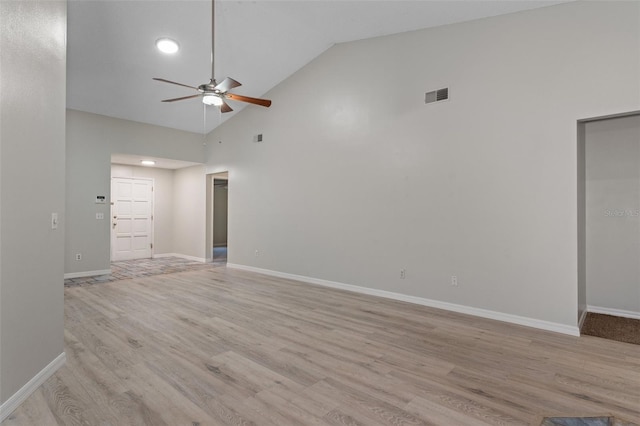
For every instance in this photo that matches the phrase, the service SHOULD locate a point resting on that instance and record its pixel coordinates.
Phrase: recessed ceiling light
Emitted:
(166, 45)
(147, 162)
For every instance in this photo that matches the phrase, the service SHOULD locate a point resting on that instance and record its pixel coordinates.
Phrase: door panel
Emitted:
(132, 212)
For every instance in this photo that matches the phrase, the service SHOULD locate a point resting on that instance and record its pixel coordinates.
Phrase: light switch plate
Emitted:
(54, 220)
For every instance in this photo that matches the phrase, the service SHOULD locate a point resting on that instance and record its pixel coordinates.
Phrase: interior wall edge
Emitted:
(582, 318)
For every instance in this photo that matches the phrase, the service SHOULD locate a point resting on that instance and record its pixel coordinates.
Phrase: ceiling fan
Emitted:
(214, 93)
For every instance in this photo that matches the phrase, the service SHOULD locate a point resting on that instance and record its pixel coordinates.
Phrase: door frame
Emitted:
(210, 209)
(582, 297)
(153, 207)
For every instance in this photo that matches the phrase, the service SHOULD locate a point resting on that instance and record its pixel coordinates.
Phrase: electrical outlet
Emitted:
(257, 253)
(78, 256)
(403, 274)
(99, 216)
(454, 280)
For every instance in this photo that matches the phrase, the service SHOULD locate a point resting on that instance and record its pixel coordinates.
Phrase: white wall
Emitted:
(483, 186)
(189, 204)
(32, 169)
(91, 139)
(613, 213)
(162, 202)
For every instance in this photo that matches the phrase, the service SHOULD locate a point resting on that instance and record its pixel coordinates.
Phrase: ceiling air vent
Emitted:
(436, 95)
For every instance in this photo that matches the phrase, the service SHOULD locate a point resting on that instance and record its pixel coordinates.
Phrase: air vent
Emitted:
(436, 95)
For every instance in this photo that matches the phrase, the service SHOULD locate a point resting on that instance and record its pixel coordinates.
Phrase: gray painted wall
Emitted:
(613, 213)
(32, 168)
(357, 178)
(91, 139)
(190, 212)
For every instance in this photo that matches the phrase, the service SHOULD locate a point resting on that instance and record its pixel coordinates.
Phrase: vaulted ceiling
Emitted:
(112, 55)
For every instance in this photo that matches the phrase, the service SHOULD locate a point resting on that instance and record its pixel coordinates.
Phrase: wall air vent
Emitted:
(436, 95)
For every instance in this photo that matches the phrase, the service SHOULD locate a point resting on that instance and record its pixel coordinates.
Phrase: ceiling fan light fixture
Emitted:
(167, 45)
(210, 99)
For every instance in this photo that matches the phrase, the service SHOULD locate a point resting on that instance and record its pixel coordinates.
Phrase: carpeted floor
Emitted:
(613, 328)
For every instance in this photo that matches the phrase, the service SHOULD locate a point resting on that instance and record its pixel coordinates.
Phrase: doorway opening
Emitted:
(609, 227)
(219, 216)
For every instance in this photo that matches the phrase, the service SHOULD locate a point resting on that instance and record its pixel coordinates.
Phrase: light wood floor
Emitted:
(223, 346)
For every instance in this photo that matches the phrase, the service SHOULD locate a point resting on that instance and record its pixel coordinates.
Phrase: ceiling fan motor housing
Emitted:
(209, 87)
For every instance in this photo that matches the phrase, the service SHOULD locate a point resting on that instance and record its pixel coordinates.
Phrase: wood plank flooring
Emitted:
(228, 347)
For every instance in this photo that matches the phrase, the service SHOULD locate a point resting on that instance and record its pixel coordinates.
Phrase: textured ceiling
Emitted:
(112, 56)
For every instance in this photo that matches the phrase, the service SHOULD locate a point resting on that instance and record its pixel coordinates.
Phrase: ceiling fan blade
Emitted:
(173, 82)
(225, 107)
(256, 101)
(181, 99)
(227, 84)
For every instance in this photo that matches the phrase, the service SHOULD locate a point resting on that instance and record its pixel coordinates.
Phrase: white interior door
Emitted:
(131, 218)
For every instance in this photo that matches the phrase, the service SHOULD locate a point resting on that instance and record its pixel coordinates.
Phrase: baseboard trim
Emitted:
(614, 312)
(182, 256)
(87, 273)
(32, 385)
(463, 309)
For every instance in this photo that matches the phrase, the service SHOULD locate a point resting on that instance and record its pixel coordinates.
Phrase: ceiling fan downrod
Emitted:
(213, 40)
